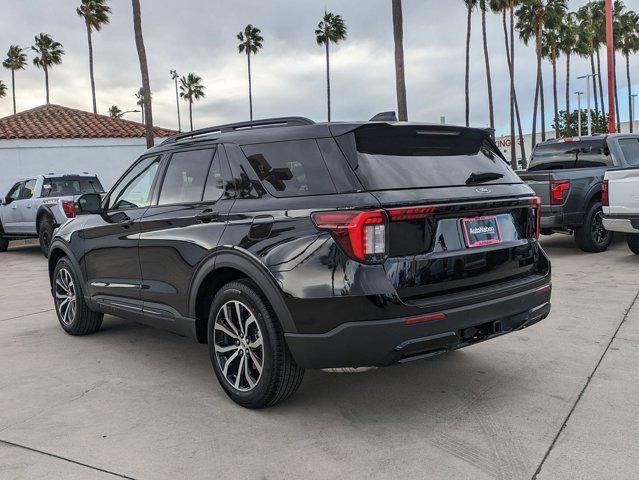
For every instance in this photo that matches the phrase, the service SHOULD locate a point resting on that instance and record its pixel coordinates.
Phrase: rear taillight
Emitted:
(535, 205)
(362, 234)
(605, 196)
(69, 208)
(559, 191)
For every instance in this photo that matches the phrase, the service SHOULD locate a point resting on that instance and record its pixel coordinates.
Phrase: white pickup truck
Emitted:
(621, 196)
(34, 207)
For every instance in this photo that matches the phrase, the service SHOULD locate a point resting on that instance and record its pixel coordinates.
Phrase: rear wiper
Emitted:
(483, 177)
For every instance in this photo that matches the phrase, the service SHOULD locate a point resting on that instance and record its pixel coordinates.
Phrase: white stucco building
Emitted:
(55, 139)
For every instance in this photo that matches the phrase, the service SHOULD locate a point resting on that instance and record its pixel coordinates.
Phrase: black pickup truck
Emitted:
(567, 174)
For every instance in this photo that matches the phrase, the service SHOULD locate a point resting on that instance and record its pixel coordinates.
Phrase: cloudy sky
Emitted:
(199, 36)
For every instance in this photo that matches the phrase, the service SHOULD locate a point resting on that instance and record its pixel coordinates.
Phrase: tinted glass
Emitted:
(28, 190)
(134, 190)
(70, 186)
(14, 193)
(185, 177)
(560, 156)
(291, 168)
(630, 149)
(214, 183)
(390, 157)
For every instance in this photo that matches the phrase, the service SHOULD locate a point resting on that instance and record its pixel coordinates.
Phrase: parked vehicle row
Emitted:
(34, 207)
(286, 245)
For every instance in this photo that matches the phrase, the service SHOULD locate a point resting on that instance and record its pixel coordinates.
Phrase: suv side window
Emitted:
(134, 189)
(214, 188)
(291, 168)
(14, 193)
(630, 149)
(27, 191)
(185, 177)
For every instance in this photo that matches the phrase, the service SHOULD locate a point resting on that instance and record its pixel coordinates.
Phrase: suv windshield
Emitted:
(70, 186)
(394, 157)
(571, 154)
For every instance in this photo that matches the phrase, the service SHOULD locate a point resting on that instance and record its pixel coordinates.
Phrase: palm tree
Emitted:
(587, 44)
(567, 42)
(629, 38)
(191, 89)
(144, 71)
(95, 14)
(400, 78)
(470, 5)
(331, 29)
(250, 43)
(16, 60)
(550, 50)
(115, 112)
(3, 89)
(491, 109)
(619, 10)
(49, 53)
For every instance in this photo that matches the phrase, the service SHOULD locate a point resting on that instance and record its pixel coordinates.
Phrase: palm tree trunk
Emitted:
(248, 56)
(512, 60)
(594, 83)
(191, 113)
(400, 77)
(46, 82)
(95, 109)
(513, 146)
(554, 88)
(144, 70)
(600, 81)
(567, 84)
(468, 32)
(536, 101)
(543, 106)
(491, 108)
(614, 67)
(630, 112)
(328, 80)
(13, 89)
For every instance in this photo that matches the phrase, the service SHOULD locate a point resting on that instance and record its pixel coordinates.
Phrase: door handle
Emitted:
(126, 222)
(207, 216)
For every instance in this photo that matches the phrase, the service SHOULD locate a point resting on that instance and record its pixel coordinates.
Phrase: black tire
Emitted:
(4, 243)
(45, 235)
(633, 242)
(280, 376)
(82, 321)
(592, 237)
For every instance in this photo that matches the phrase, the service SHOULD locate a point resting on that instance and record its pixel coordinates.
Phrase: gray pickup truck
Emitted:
(34, 207)
(567, 174)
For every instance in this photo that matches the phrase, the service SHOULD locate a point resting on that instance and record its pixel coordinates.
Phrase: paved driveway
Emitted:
(558, 400)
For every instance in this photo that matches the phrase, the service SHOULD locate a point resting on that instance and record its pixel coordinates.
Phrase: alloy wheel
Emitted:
(65, 299)
(239, 348)
(599, 233)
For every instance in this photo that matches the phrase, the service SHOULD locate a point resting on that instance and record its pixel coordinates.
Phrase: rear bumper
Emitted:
(621, 224)
(386, 342)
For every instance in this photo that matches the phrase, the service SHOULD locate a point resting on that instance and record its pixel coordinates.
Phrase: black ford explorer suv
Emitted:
(286, 245)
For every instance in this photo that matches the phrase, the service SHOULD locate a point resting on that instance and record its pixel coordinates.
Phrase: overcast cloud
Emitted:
(289, 75)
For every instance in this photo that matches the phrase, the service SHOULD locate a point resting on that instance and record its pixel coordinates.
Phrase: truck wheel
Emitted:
(45, 235)
(73, 313)
(633, 242)
(247, 348)
(4, 244)
(592, 237)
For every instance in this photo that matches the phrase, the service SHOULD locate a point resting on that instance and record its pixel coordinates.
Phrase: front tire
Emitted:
(74, 315)
(592, 237)
(45, 236)
(247, 348)
(633, 242)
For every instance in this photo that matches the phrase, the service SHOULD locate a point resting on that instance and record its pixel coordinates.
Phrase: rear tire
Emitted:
(4, 244)
(592, 237)
(633, 242)
(249, 354)
(74, 315)
(45, 235)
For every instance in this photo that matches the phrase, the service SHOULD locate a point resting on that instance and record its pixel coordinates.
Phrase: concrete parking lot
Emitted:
(556, 401)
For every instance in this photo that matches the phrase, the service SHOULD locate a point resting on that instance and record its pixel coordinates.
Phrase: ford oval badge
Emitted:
(483, 190)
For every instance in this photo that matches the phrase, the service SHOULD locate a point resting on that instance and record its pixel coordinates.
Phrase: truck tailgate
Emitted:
(540, 183)
(623, 191)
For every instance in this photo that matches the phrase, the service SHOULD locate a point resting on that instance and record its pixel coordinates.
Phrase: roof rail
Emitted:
(232, 127)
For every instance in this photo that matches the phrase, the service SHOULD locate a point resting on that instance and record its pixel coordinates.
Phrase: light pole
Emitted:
(579, 94)
(175, 76)
(587, 78)
(632, 113)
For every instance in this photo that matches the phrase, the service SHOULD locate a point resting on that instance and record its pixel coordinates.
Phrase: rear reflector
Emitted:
(544, 289)
(605, 197)
(69, 208)
(559, 191)
(424, 318)
(411, 213)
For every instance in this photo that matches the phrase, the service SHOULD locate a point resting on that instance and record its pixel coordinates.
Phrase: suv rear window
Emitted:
(70, 186)
(630, 149)
(394, 157)
(291, 168)
(563, 155)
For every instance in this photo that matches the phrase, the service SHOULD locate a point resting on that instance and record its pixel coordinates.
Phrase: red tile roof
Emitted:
(55, 121)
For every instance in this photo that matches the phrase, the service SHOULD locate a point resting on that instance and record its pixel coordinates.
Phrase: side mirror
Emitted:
(88, 203)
